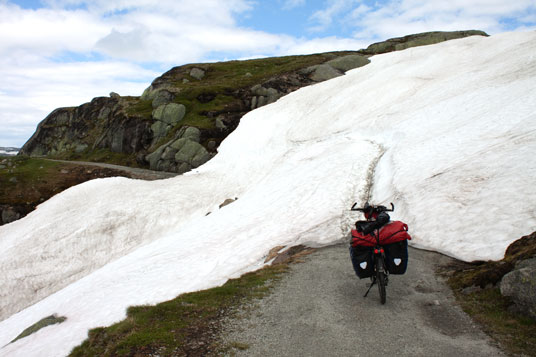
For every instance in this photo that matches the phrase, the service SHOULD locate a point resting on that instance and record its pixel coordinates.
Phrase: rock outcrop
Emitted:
(104, 123)
(206, 98)
(421, 39)
(520, 286)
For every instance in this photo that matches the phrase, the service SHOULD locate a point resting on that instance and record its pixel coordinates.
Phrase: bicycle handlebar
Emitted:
(376, 208)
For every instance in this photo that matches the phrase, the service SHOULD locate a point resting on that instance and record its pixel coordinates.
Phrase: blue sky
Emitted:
(56, 53)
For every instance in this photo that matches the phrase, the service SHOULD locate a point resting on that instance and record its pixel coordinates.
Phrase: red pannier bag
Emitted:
(393, 237)
(392, 232)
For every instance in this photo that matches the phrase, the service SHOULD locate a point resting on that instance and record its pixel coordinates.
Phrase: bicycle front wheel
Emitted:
(380, 279)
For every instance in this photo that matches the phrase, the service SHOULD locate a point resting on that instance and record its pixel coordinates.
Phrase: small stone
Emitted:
(114, 95)
(63, 171)
(13, 179)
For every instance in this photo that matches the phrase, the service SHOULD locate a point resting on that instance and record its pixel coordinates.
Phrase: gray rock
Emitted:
(520, 286)
(170, 113)
(9, 215)
(346, 63)
(154, 157)
(168, 154)
(322, 72)
(162, 97)
(148, 94)
(80, 148)
(160, 129)
(117, 139)
(220, 124)
(13, 180)
(185, 80)
(227, 202)
(188, 151)
(191, 133)
(114, 95)
(197, 73)
(212, 145)
(2, 167)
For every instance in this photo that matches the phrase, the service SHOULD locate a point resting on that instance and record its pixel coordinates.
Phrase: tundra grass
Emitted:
(185, 326)
(514, 331)
(18, 171)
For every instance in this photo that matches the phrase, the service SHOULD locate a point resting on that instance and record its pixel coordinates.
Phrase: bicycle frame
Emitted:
(381, 274)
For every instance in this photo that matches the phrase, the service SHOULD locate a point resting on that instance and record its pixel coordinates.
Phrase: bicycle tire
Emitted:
(380, 279)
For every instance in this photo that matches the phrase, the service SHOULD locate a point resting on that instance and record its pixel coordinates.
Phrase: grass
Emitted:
(24, 171)
(47, 321)
(514, 331)
(185, 326)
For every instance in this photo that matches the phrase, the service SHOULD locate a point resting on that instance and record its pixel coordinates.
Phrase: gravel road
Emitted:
(318, 309)
(136, 173)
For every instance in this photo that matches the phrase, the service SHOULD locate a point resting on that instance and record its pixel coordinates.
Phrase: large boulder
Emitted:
(181, 154)
(520, 286)
(166, 117)
(162, 97)
(197, 73)
(346, 63)
(322, 72)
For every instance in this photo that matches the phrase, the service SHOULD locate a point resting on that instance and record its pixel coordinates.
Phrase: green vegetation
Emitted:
(186, 325)
(22, 171)
(47, 321)
(137, 107)
(514, 331)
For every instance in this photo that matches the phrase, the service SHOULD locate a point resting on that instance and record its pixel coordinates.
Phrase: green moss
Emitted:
(47, 321)
(177, 327)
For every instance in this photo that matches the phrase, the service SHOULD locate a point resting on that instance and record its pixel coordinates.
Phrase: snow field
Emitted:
(457, 123)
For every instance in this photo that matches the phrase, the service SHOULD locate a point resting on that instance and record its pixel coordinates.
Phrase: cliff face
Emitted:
(113, 123)
(182, 117)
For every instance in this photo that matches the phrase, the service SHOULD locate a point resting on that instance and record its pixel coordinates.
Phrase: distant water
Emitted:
(9, 151)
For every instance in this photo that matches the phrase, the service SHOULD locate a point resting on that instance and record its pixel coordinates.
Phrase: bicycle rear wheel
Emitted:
(380, 279)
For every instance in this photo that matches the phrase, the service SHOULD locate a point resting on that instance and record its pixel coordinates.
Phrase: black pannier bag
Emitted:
(396, 256)
(362, 261)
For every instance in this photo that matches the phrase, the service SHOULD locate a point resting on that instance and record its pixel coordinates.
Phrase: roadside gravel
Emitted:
(318, 309)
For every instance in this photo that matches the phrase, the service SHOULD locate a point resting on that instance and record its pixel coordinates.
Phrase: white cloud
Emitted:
(38, 87)
(396, 18)
(325, 17)
(292, 4)
(38, 48)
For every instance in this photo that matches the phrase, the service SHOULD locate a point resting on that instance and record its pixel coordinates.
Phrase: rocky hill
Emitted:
(180, 120)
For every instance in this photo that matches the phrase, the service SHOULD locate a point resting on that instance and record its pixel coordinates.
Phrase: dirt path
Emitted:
(318, 309)
(136, 173)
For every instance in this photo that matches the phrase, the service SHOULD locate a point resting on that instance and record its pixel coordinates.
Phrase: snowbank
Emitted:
(455, 123)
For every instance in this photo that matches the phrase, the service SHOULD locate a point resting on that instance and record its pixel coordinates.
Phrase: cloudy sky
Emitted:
(56, 53)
